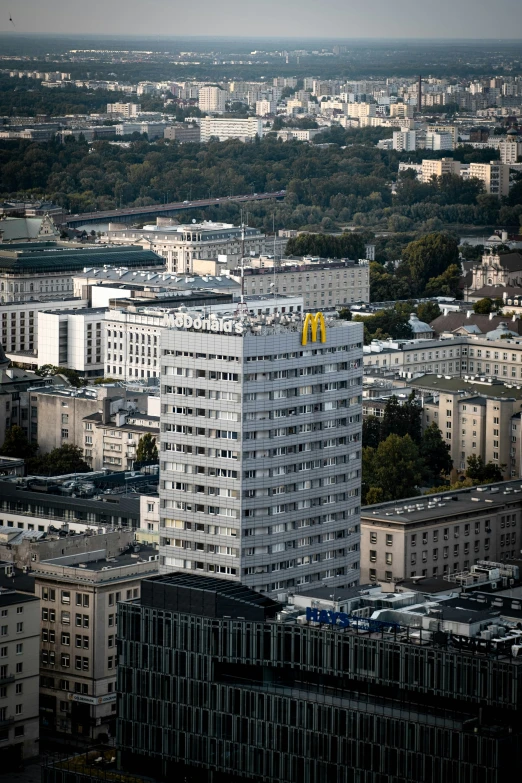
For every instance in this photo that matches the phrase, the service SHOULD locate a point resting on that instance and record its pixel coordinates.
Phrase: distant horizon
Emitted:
(464, 20)
(241, 37)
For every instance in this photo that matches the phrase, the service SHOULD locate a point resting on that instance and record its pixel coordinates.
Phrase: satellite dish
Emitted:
(193, 220)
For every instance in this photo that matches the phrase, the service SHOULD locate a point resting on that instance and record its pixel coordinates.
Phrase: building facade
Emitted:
(494, 176)
(441, 535)
(223, 128)
(216, 683)
(268, 428)
(212, 100)
(79, 596)
(19, 649)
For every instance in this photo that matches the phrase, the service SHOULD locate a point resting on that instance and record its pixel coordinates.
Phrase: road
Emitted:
(102, 216)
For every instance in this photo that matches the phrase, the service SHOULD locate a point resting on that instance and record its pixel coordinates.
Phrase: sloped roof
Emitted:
(453, 321)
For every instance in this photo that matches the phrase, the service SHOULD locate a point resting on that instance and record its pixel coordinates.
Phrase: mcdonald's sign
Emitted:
(313, 322)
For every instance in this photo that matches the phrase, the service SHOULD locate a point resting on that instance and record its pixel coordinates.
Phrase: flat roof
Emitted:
(476, 387)
(100, 562)
(9, 598)
(479, 500)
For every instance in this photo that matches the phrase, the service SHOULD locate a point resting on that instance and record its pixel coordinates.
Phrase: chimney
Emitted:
(468, 313)
(419, 96)
(106, 410)
(491, 316)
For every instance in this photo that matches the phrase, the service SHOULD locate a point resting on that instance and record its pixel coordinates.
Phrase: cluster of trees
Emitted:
(328, 186)
(397, 458)
(394, 321)
(62, 460)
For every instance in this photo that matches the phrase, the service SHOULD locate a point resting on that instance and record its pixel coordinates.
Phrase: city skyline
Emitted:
(469, 19)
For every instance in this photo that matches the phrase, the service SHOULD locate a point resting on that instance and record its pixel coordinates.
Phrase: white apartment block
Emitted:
(179, 245)
(358, 110)
(323, 285)
(439, 141)
(438, 168)
(19, 669)
(79, 598)
(20, 324)
(510, 150)
(440, 535)
(451, 129)
(494, 176)
(404, 140)
(402, 110)
(282, 470)
(263, 108)
(72, 338)
(124, 109)
(223, 128)
(212, 100)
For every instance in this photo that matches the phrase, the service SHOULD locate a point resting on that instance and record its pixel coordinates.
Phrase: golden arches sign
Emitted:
(313, 322)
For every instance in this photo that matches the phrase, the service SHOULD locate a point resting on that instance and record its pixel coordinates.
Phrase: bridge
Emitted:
(129, 215)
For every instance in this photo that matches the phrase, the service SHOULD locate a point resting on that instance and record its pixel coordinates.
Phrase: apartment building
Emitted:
(19, 669)
(72, 338)
(124, 109)
(439, 141)
(438, 168)
(477, 418)
(20, 324)
(403, 110)
(359, 110)
(265, 108)
(283, 477)
(182, 132)
(179, 245)
(211, 100)
(44, 270)
(224, 128)
(494, 176)
(440, 535)
(404, 140)
(79, 596)
(510, 149)
(323, 284)
(445, 129)
(112, 436)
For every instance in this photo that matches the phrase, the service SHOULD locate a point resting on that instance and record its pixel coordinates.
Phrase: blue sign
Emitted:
(343, 620)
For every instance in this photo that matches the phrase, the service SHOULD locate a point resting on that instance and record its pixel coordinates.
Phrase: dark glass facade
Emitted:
(212, 687)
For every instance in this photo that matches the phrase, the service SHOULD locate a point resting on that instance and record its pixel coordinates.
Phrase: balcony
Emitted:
(7, 679)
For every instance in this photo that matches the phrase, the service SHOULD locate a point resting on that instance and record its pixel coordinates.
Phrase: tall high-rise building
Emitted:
(212, 99)
(261, 449)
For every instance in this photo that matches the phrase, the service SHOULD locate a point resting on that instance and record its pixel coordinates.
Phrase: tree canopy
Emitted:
(147, 450)
(427, 258)
(17, 445)
(394, 469)
(58, 462)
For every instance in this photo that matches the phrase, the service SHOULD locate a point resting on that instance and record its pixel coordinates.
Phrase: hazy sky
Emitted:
(324, 18)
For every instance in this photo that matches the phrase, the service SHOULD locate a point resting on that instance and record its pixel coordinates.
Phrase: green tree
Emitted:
(402, 418)
(371, 431)
(72, 376)
(483, 306)
(446, 284)
(482, 472)
(428, 257)
(147, 450)
(435, 452)
(428, 311)
(345, 314)
(60, 461)
(385, 323)
(17, 445)
(394, 467)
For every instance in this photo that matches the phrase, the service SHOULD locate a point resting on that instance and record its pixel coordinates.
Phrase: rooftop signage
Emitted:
(344, 620)
(312, 323)
(215, 325)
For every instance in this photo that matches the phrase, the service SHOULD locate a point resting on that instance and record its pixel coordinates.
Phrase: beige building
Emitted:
(19, 669)
(402, 110)
(212, 100)
(476, 419)
(494, 176)
(78, 657)
(321, 283)
(438, 168)
(111, 437)
(510, 149)
(437, 535)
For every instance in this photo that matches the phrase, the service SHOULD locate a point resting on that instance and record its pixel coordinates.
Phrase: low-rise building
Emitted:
(183, 132)
(78, 658)
(223, 128)
(322, 283)
(73, 339)
(19, 669)
(439, 535)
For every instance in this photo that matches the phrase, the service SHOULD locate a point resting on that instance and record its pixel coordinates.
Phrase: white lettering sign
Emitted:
(184, 321)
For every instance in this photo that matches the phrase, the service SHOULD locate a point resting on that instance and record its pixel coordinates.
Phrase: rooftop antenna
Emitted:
(242, 308)
(274, 284)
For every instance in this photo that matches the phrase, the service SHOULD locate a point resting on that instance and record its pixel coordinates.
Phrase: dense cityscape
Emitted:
(318, 243)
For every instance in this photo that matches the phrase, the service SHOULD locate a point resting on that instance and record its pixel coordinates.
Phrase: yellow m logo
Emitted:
(313, 321)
